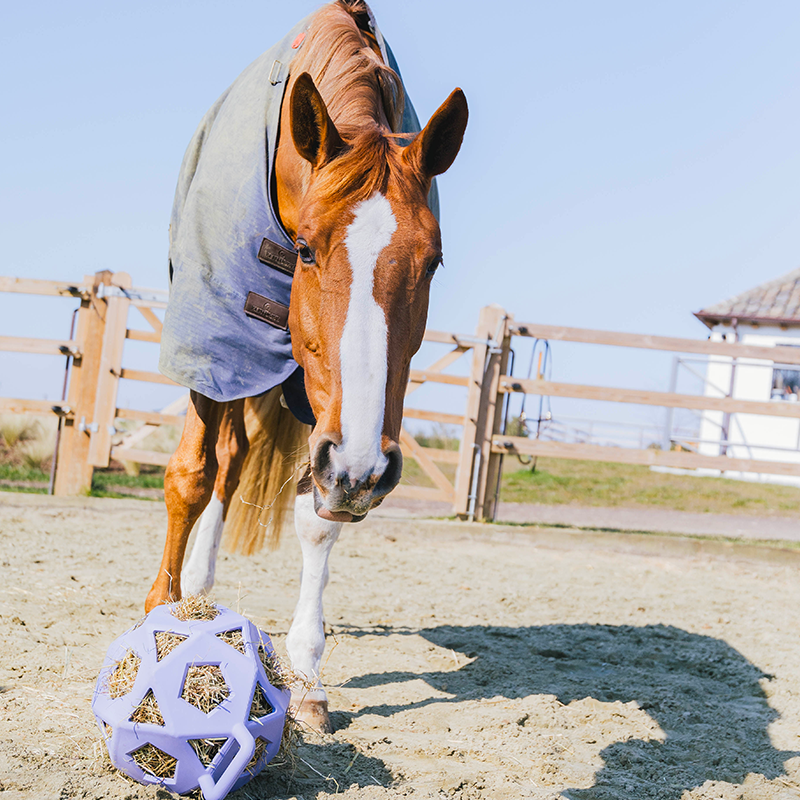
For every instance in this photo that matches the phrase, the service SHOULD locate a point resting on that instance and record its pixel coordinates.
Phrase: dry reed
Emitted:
(260, 706)
(290, 741)
(205, 687)
(258, 754)
(36, 453)
(277, 673)
(148, 711)
(166, 642)
(121, 679)
(196, 607)
(234, 638)
(18, 428)
(207, 749)
(155, 761)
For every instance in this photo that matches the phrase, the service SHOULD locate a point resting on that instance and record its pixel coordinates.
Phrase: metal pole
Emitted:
(54, 462)
(726, 417)
(673, 385)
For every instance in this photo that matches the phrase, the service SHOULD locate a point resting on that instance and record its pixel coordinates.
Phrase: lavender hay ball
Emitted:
(183, 699)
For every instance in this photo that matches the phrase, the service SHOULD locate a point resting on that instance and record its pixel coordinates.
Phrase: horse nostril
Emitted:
(394, 469)
(347, 483)
(321, 462)
(351, 486)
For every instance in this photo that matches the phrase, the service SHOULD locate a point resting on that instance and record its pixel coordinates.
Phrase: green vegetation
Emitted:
(21, 473)
(26, 453)
(15, 478)
(590, 483)
(441, 437)
(26, 447)
(147, 485)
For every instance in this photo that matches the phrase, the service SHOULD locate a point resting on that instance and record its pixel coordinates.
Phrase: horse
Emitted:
(352, 193)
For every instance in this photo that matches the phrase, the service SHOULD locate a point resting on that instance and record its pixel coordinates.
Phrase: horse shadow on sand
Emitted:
(703, 693)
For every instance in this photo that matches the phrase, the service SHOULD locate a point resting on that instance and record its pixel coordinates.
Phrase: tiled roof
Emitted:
(776, 301)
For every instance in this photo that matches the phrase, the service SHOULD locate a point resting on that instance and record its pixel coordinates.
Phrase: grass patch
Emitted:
(15, 487)
(592, 483)
(21, 472)
(147, 485)
(104, 479)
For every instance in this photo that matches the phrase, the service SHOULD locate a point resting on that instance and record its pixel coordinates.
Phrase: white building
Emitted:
(767, 315)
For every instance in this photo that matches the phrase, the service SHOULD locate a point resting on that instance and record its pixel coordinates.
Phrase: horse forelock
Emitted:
(370, 163)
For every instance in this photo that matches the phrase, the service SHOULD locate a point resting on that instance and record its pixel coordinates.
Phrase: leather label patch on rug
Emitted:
(270, 311)
(276, 256)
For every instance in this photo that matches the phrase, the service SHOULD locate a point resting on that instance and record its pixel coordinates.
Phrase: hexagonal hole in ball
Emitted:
(204, 687)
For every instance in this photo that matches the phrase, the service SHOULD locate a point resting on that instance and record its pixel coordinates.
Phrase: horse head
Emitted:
(368, 246)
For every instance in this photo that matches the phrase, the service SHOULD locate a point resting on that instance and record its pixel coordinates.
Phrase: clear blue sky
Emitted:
(625, 164)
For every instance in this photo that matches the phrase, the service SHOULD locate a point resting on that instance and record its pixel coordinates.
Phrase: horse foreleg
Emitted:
(306, 639)
(188, 485)
(198, 572)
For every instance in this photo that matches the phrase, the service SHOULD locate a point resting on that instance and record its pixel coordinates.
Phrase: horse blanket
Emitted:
(225, 331)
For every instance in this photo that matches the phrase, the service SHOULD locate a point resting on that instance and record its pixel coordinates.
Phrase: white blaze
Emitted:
(362, 350)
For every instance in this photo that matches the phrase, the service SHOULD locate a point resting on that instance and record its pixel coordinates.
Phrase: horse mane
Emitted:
(343, 59)
(364, 96)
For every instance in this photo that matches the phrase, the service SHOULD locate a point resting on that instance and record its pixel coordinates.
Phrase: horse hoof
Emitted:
(314, 713)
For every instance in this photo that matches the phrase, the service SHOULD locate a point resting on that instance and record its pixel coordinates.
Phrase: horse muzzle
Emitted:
(341, 497)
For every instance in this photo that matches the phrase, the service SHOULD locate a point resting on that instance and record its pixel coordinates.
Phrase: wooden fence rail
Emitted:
(558, 333)
(649, 398)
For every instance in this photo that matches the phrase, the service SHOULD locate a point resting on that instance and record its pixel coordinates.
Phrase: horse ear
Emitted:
(437, 144)
(313, 132)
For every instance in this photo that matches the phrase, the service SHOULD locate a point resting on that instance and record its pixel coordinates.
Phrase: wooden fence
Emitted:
(502, 444)
(90, 416)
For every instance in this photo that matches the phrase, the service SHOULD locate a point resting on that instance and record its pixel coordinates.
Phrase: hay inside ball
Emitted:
(190, 697)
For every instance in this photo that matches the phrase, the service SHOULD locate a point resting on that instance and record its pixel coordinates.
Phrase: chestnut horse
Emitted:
(354, 199)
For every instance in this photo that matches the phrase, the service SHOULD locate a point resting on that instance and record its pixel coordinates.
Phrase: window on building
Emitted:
(785, 384)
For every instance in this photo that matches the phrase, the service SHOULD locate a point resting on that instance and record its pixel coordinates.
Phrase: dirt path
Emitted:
(464, 667)
(656, 519)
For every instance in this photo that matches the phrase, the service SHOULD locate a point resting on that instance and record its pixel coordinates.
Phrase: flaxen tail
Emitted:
(273, 465)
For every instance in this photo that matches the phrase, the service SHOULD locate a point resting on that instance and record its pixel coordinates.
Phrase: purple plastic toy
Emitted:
(218, 749)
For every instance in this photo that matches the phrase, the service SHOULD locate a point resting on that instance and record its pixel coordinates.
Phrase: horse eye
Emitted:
(305, 252)
(433, 266)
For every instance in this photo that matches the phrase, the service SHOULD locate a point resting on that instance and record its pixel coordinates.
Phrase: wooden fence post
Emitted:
(490, 422)
(491, 323)
(74, 472)
(105, 407)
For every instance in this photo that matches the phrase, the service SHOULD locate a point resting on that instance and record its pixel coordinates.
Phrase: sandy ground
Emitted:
(504, 664)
